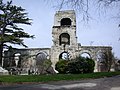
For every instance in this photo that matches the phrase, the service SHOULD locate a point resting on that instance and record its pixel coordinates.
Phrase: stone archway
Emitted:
(100, 61)
(64, 38)
(64, 55)
(91, 55)
(14, 60)
(85, 55)
(99, 55)
(40, 57)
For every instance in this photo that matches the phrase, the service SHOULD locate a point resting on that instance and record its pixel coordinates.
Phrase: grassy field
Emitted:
(55, 77)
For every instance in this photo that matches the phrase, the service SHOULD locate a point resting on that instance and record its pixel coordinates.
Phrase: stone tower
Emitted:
(65, 44)
(64, 35)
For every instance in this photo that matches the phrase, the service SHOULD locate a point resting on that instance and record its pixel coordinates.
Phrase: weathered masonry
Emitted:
(65, 46)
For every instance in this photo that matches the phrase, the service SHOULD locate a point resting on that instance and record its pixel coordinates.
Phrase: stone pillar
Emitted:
(96, 63)
(96, 66)
(17, 58)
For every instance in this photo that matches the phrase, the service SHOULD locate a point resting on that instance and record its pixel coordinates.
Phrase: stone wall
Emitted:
(27, 58)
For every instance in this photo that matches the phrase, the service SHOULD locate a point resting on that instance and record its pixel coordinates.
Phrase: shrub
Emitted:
(81, 65)
(61, 66)
(89, 66)
(76, 66)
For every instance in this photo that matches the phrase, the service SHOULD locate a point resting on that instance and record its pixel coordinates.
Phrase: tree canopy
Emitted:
(11, 17)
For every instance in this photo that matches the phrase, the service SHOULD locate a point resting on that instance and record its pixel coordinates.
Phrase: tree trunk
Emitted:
(1, 54)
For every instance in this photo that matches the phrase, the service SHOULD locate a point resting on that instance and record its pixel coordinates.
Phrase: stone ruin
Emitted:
(65, 46)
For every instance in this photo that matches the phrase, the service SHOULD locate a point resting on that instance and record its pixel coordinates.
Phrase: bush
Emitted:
(76, 66)
(90, 65)
(81, 65)
(61, 66)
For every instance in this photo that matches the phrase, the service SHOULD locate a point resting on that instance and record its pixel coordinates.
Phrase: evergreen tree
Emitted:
(10, 31)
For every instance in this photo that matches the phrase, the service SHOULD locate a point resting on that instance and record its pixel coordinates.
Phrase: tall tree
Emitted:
(11, 16)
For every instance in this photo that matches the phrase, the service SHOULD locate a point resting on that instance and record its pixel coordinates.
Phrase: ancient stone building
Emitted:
(65, 46)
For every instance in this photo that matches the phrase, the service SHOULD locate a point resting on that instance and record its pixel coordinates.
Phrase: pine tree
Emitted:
(10, 31)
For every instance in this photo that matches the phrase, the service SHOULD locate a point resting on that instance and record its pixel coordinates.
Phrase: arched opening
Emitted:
(100, 61)
(85, 55)
(40, 62)
(64, 56)
(66, 22)
(100, 56)
(40, 57)
(64, 38)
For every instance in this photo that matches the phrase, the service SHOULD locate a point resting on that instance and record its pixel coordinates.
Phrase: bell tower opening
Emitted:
(64, 38)
(66, 22)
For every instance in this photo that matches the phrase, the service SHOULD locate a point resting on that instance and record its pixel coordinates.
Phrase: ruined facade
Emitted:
(65, 45)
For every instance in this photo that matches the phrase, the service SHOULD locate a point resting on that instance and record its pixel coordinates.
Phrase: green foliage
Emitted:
(11, 17)
(81, 65)
(76, 66)
(89, 65)
(61, 66)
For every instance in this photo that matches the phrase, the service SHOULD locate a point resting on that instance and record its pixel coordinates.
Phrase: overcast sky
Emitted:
(101, 30)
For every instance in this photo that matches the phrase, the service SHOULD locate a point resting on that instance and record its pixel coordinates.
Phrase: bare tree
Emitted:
(84, 6)
(107, 59)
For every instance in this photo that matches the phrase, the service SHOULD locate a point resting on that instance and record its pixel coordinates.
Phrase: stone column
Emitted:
(17, 58)
(96, 63)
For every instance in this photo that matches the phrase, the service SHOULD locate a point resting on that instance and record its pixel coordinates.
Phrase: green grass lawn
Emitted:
(55, 77)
